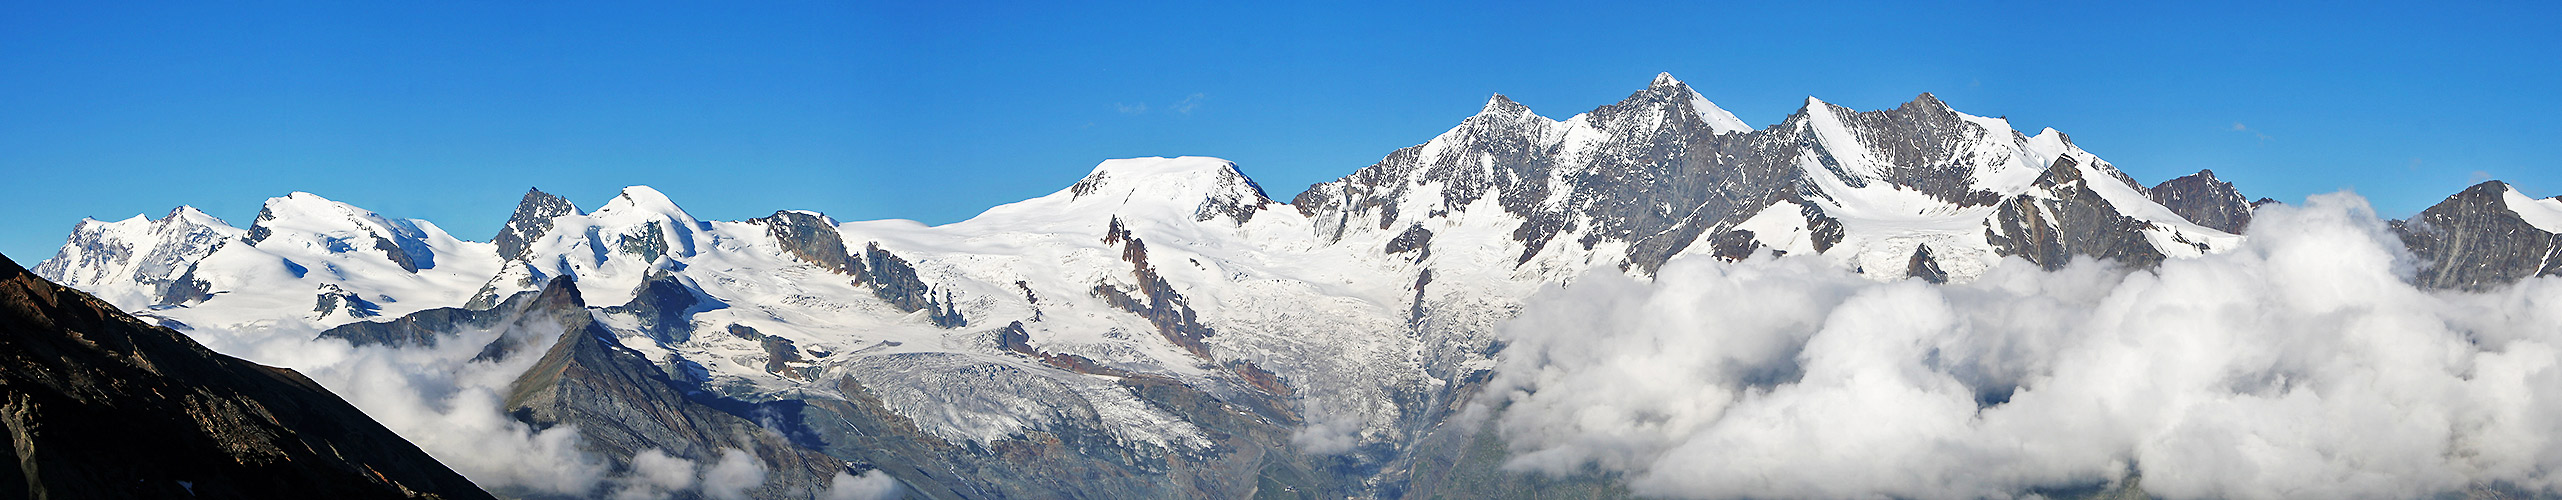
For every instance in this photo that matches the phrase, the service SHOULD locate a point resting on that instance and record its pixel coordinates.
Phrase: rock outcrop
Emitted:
(2475, 240)
(2205, 200)
(101, 405)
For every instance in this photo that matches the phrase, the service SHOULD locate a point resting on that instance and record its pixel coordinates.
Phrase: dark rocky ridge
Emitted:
(894, 281)
(426, 328)
(664, 306)
(1168, 310)
(812, 238)
(1659, 153)
(2076, 221)
(101, 405)
(1924, 266)
(2205, 200)
(622, 404)
(533, 217)
(2473, 241)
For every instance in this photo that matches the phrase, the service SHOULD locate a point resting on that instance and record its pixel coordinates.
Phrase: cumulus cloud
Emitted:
(655, 474)
(1328, 432)
(435, 397)
(872, 485)
(2299, 365)
(730, 478)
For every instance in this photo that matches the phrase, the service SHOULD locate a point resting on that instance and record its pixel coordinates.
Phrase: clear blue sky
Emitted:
(933, 111)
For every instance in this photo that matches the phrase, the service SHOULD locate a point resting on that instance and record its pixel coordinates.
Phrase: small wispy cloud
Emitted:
(2239, 127)
(1190, 102)
(1131, 109)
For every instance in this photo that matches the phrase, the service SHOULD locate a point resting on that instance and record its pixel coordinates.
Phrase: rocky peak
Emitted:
(2479, 239)
(1923, 145)
(533, 217)
(1665, 103)
(1927, 102)
(1502, 108)
(2205, 200)
(813, 238)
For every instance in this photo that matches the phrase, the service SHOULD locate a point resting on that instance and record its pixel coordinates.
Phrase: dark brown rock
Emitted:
(533, 217)
(812, 238)
(2075, 221)
(2205, 200)
(101, 405)
(622, 405)
(2473, 241)
(1924, 266)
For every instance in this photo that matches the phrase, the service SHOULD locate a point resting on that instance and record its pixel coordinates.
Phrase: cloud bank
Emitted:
(452, 408)
(2300, 365)
(435, 397)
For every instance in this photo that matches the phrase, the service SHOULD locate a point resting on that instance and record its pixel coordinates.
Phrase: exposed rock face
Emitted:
(893, 280)
(2070, 220)
(533, 218)
(1661, 153)
(2475, 240)
(1925, 267)
(2205, 200)
(1168, 310)
(623, 405)
(337, 301)
(661, 308)
(780, 354)
(426, 328)
(813, 238)
(101, 405)
(1656, 174)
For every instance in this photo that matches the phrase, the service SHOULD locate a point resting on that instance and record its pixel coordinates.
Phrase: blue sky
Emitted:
(933, 111)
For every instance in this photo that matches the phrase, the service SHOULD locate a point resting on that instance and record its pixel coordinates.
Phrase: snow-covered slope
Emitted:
(1166, 310)
(2544, 214)
(307, 260)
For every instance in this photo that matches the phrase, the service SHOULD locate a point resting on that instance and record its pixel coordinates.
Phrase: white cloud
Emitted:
(436, 398)
(730, 478)
(2300, 365)
(655, 475)
(1328, 432)
(872, 485)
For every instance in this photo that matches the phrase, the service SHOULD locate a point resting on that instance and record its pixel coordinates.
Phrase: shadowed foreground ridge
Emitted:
(101, 405)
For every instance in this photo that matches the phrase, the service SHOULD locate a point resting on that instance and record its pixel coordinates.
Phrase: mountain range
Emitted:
(1163, 327)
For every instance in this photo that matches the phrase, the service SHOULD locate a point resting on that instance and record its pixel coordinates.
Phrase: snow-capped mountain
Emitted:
(2485, 236)
(1162, 327)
